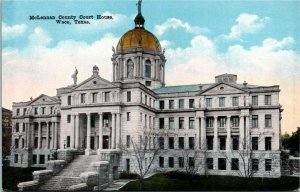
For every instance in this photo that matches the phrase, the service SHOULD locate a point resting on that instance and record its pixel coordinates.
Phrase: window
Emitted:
(36, 141)
(235, 101)
(35, 110)
(234, 164)
(208, 102)
(268, 120)
(141, 117)
(17, 127)
(127, 165)
(69, 100)
(171, 104)
(210, 163)
(161, 123)
(146, 99)
(191, 161)
(222, 143)
(130, 68)
(68, 141)
(161, 162)
(267, 99)
(93, 120)
(254, 100)
(148, 69)
(34, 159)
(68, 118)
(161, 142)
(222, 164)
(171, 142)
(254, 164)
(18, 112)
(106, 96)
(235, 143)
(148, 83)
(16, 158)
(210, 142)
(191, 122)
(128, 116)
(171, 122)
(181, 162)
(268, 164)
(43, 110)
(94, 97)
(181, 122)
(210, 122)
(268, 143)
(181, 142)
(171, 162)
(16, 143)
(23, 127)
(191, 103)
(235, 122)
(24, 111)
(51, 110)
(254, 121)
(23, 143)
(161, 104)
(42, 159)
(222, 122)
(181, 103)
(145, 121)
(221, 101)
(127, 141)
(254, 143)
(82, 98)
(191, 142)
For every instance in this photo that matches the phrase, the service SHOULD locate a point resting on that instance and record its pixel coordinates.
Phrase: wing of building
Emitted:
(226, 121)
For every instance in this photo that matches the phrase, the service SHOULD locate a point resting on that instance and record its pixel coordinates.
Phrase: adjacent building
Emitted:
(225, 125)
(6, 132)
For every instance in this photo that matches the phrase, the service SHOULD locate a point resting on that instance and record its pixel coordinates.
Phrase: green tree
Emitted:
(292, 142)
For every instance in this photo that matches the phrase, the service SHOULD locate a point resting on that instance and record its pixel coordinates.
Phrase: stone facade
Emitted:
(224, 125)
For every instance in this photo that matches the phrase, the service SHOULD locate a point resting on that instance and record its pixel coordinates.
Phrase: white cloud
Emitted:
(101, 24)
(39, 38)
(174, 23)
(246, 24)
(9, 32)
(165, 43)
(36, 70)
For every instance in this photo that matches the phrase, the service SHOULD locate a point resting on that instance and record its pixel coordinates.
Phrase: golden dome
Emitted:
(139, 37)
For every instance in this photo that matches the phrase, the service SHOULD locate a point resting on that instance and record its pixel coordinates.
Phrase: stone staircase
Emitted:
(70, 175)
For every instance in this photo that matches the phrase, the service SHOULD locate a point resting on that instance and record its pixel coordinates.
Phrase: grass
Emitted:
(165, 182)
(14, 175)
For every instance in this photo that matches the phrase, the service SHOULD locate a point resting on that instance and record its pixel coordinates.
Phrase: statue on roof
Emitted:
(74, 76)
(139, 5)
(95, 70)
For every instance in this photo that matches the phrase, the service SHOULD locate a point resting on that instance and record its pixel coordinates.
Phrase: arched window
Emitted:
(148, 68)
(129, 68)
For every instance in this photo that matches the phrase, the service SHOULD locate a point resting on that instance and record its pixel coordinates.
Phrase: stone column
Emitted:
(40, 135)
(118, 131)
(72, 131)
(48, 135)
(88, 135)
(228, 138)
(203, 133)
(27, 135)
(242, 137)
(215, 148)
(55, 134)
(247, 131)
(113, 133)
(100, 132)
(77, 131)
(197, 129)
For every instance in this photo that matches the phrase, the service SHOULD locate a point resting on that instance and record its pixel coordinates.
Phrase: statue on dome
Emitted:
(95, 70)
(139, 4)
(74, 76)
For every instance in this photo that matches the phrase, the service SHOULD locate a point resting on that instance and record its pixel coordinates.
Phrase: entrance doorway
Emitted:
(105, 142)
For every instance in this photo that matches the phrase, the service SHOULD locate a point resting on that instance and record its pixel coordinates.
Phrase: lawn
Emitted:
(14, 175)
(167, 182)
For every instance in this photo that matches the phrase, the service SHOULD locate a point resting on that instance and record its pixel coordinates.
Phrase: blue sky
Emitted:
(257, 40)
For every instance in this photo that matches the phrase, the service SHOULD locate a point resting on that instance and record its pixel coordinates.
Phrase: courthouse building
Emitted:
(221, 122)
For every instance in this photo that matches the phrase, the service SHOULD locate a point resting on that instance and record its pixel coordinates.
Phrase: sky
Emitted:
(257, 40)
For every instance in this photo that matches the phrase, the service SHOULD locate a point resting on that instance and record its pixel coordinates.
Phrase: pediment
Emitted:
(42, 99)
(223, 88)
(94, 82)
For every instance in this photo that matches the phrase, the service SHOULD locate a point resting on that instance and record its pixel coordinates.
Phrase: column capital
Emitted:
(216, 116)
(203, 117)
(228, 116)
(100, 113)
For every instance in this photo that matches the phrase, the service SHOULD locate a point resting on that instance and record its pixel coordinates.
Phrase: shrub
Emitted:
(181, 175)
(128, 175)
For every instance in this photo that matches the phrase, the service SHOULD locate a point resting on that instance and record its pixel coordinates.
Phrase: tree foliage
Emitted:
(291, 142)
